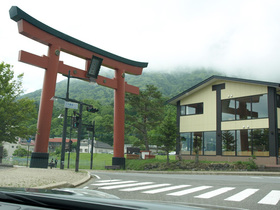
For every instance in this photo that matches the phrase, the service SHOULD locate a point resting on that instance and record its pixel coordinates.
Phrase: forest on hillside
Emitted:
(102, 98)
(169, 84)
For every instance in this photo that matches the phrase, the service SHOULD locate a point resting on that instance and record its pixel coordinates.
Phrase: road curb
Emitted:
(65, 184)
(82, 181)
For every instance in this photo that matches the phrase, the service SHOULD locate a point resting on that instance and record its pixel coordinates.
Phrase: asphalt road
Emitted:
(236, 192)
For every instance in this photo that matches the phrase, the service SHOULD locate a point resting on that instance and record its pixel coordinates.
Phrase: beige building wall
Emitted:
(200, 122)
(236, 90)
(245, 124)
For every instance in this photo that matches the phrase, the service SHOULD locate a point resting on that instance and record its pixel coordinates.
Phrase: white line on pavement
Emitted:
(165, 189)
(242, 195)
(271, 198)
(125, 185)
(144, 187)
(109, 180)
(110, 183)
(188, 191)
(214, 193)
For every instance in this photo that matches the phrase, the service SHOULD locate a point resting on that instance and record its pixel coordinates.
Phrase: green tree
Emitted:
(74, 146)
(58, 151)
(16, 115)
(20, 152)
(145, 112)
(167, 132)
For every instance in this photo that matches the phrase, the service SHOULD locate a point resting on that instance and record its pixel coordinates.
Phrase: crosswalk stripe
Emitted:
(271, 198)
(113, 183)
(109, 180)
(188, 191)
(242, 195)
(144, 187)
(214, 193)
(165, 189)
(125, 185)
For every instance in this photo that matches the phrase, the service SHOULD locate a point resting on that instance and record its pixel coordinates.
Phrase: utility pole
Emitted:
(79, 139)
(92, 144)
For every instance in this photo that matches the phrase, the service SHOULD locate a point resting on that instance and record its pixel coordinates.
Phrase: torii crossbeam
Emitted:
(57, 41)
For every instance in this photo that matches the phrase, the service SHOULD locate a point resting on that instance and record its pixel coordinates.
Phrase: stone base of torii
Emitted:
(57, 41)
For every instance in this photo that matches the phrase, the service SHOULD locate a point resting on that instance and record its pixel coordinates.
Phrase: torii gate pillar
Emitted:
(57, 41)
(118, 158)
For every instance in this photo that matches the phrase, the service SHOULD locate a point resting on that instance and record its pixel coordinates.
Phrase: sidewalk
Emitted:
(41, 178)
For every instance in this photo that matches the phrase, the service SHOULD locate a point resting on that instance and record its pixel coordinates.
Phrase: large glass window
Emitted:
(209, 143)
(186, 139)
(192, 109)
(259, 106)
(244, 143)
(243, 108)
(260, 142)
(228, 142)
(202, 142)
(197, 143)
(228, 110)
(251, 107)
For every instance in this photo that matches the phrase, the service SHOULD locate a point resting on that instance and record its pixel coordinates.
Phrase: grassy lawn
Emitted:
(99, 160)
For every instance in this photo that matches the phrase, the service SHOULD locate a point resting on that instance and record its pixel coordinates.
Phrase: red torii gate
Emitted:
(57, 41)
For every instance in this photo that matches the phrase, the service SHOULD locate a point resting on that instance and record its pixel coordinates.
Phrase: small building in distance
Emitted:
(85, 145)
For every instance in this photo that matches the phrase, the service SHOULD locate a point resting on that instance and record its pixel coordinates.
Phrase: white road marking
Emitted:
(98, 177)
(214, 193)
(271, 198)
(188, 191)
(242, 195)
(113, 183)
(109, 180)
(165, 189)
(144, 187)
(125, 185)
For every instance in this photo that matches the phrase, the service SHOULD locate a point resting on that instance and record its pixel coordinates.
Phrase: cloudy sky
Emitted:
(238, 37)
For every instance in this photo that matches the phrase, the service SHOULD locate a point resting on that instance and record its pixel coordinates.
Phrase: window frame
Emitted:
(184, 111)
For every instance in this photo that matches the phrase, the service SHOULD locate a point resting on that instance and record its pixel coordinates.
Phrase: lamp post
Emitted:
(79, 139)
(69, 145)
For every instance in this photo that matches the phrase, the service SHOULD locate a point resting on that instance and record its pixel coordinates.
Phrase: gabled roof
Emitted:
(100, 144)
(216, 78)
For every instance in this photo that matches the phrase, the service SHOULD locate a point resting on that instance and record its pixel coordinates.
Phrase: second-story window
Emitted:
(250, 107)
(192, 109)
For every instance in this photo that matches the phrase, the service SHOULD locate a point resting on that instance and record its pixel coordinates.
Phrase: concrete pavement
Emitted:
(24, 177)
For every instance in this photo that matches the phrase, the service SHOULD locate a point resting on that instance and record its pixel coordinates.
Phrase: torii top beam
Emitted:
(44, 34)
